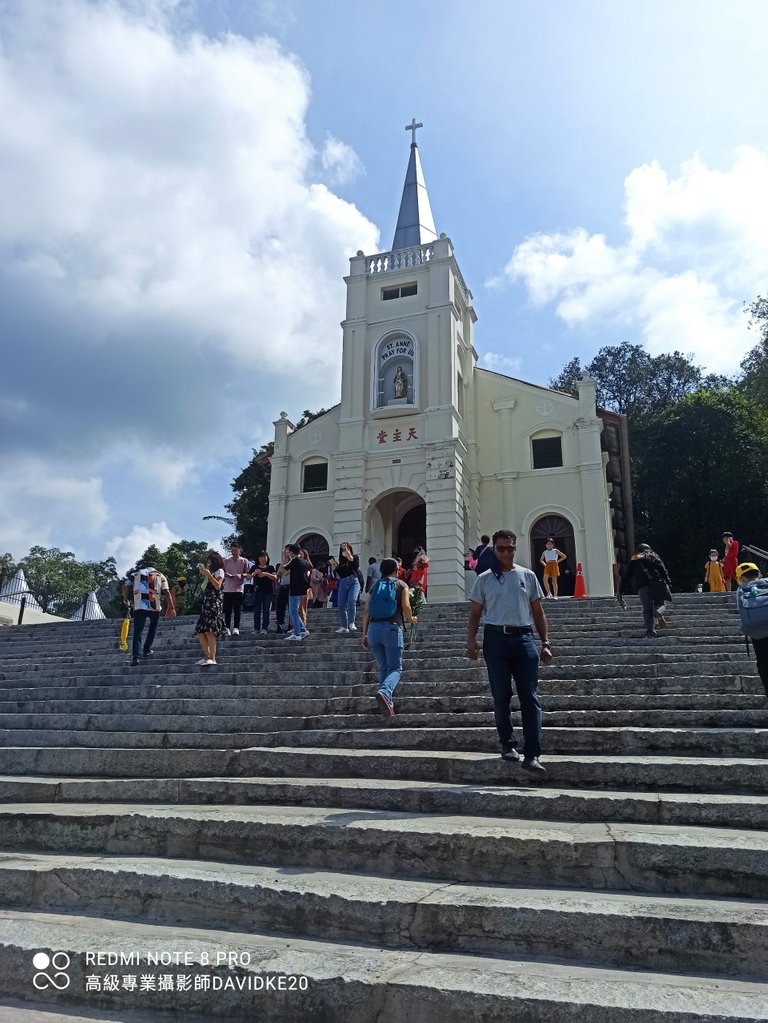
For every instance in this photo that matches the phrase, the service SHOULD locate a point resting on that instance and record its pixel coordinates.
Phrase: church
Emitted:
(427, 449)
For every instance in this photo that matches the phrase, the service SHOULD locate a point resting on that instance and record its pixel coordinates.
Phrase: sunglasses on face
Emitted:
(505, 550)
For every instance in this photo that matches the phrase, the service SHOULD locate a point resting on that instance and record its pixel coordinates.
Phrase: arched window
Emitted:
(316, 547)
(395, 371)
(547, 450)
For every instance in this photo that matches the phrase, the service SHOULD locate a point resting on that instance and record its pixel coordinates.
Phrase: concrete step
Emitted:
(639, 772)
(723, 937)
(219, 705)
(371, 718)
(515, 799)
(604, 857)
(354, 984)
(745, 742)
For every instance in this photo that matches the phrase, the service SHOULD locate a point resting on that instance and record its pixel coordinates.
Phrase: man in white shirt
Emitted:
(509, 598)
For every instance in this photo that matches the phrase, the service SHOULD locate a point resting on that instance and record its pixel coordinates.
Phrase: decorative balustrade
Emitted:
(400, 259)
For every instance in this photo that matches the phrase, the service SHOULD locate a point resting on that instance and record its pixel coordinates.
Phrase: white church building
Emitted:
(426, 448)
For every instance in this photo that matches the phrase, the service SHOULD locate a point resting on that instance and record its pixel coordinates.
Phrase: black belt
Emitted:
(511, 630)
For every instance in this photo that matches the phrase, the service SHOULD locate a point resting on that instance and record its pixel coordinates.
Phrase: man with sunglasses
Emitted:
(509, 597)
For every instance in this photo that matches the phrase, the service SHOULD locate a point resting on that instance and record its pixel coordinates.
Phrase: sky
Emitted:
(184, 181)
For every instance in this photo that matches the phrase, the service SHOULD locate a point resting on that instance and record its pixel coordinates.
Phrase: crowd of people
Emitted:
(507, 598)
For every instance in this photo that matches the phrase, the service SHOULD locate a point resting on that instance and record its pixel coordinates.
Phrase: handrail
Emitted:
(758, 551)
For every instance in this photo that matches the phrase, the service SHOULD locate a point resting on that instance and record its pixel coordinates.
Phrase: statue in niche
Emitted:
(401, 383)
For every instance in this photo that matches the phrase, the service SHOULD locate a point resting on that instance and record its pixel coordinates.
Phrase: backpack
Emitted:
(752, 601)
(382, 606)
(147, 587)
(484, 559)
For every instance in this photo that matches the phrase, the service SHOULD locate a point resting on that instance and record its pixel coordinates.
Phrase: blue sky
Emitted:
(184, 183)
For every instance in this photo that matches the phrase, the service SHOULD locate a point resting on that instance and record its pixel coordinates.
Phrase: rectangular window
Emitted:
(315, 478)
(547, 452)
(401, 291)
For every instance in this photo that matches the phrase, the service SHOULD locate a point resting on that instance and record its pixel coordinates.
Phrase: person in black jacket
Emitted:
(649, 575)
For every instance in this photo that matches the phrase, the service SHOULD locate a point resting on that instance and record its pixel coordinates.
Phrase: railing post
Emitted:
(21, 610)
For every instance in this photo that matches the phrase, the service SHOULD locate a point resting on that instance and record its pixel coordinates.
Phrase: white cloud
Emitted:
(696, 249)
(34, 497)
(169, 266)
(340, 162)
(499, 363)
(127, 549)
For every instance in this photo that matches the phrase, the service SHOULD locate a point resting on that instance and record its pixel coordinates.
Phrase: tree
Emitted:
(754, 366)
(702, 468)
(7, 568)
(250, 506)
(632, 382)
(59, 582)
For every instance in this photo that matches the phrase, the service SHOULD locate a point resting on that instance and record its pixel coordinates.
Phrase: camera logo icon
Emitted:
(51, 971)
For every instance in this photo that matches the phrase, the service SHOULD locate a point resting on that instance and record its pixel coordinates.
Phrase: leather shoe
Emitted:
(532, 764)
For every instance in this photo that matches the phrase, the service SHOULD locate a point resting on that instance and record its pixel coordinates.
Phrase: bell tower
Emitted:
(407, 362)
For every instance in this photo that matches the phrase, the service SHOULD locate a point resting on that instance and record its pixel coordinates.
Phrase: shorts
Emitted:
(551, 570)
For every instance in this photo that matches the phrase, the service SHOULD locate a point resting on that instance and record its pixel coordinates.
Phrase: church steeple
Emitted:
(415, 223)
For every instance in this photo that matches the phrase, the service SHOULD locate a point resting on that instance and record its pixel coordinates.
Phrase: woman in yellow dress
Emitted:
(713, 573)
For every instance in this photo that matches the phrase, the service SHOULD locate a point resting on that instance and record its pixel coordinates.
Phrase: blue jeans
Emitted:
(348, 591)
(140, 617)
(294, 603)
(261, 607)
(385, 641)
(508, 657)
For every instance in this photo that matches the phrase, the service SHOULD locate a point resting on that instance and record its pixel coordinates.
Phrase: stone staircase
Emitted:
(262, 845)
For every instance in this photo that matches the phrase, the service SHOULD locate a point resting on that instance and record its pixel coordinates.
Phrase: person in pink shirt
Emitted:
(235, 568)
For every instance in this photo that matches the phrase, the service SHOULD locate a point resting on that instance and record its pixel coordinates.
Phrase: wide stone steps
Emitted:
(515, 800)
(686, 741)
(265, 805)
(641, 772)
(604, 857)
(272, 706)
(351, 984)
(626, 930)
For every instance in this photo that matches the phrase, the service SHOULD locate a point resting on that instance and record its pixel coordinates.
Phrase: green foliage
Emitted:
(701, 467)
(754, 366)
(60, 583)
(636, 384)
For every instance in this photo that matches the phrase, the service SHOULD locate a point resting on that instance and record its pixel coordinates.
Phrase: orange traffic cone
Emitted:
(579, 589)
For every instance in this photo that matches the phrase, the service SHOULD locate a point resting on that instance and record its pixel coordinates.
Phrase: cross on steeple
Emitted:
(412, 128)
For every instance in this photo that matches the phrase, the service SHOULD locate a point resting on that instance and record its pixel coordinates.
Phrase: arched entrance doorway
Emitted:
(316, 547)
(397, 525)
(562, 530)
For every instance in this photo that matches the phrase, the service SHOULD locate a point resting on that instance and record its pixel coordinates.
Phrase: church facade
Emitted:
(426, 448)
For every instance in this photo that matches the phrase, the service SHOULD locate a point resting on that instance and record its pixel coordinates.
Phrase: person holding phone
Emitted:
(349, 587)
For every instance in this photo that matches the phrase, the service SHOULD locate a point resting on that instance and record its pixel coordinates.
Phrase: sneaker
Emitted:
(532, 764)
(210, 662)
(342, 630)
(203, 660)
(653, 634)
(293, 639)
(227, 632)
(387, 707)
(263, 632)
(352, 628)
(661, 621)
(508, 752)
(235, 632)
(280, 630)
(149, 653)
(135, 661)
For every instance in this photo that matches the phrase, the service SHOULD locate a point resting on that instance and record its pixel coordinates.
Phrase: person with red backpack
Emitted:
(387, 606)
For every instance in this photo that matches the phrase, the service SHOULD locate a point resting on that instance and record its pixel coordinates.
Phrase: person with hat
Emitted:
(731, 560)
(648, 573)
(752, 602)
